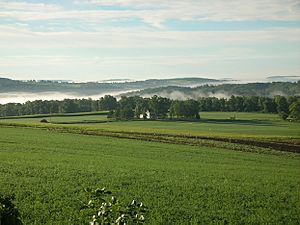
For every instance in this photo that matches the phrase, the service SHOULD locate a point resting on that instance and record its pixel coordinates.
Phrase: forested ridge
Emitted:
(177, 88)
(8, 85)
(249, 89)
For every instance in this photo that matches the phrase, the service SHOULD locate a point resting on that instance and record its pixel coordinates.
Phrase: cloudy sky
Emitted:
(138, 39)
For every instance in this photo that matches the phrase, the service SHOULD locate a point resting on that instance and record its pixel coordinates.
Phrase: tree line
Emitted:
(158, 107)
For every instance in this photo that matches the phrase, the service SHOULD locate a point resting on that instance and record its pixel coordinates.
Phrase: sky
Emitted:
(92, 40)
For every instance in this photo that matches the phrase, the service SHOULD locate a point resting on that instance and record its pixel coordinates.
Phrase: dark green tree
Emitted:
(159, 106)
(108, 102)
(69, 106)
(126, 106)
(269, 106)
(141, 106)
(282, 106)
(295, 110)
(191, 109)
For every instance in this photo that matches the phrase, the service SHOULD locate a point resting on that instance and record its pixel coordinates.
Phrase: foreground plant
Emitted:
(107, 209)
(9, 214)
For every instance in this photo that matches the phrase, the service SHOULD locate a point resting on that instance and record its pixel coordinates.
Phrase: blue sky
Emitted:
(86, 40)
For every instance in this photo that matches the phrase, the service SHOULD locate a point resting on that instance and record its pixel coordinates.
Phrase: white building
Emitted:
(148, 115)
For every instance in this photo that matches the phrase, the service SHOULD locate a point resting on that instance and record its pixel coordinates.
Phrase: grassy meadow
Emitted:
(216, 124)
(181, 184)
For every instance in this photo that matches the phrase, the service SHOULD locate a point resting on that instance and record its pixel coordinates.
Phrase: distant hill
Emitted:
(283, 78)
(8, 85)
(224, 90)
(177, 88)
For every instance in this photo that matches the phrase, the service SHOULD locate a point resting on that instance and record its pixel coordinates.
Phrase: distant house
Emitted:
(146, 115)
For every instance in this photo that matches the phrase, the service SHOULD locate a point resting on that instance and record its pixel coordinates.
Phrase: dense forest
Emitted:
(224, 90)
(158, 107)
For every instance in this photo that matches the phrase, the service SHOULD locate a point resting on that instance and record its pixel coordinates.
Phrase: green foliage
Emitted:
(269, 105)
(44, 121)
(125, 108)
(141, 107)
(128, 108)
(282, 104)
(69, 106)
(295, 110)
(249, 89)
(159, 107)
(110, 114)
(188, 109)
(283, 115)
(108, 103)
(233, 117)
(107, 209)
(9, 214)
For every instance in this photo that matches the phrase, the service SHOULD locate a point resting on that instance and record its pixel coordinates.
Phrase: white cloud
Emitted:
(23, 38)
(61, 61)
(26, 6)
(155, 12)
(20, 39)
(213, 10)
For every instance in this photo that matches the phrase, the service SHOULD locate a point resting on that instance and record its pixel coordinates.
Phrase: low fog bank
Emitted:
(22, 97)
(178, 95)
(180, 91)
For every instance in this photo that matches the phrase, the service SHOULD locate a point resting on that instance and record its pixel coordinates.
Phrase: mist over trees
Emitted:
(159, 107)
(33, 86)
(223, 90)
(177, 88)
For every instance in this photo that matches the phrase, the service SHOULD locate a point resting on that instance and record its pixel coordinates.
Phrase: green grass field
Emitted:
(252, 125)
(180, 184)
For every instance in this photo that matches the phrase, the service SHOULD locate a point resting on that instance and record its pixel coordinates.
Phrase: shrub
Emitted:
(44, 121)
(110, 114)
(232, 117)
(283, 115)
(9, 214)
(107, 209)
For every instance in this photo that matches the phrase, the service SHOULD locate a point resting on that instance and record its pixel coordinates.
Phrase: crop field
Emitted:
(218, 124)
(181, 180)
(180, 184)
(60, 118)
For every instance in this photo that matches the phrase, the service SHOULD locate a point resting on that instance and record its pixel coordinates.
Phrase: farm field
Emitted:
(58, 118)
(133, 112)
(180, 184)
(215, 124)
